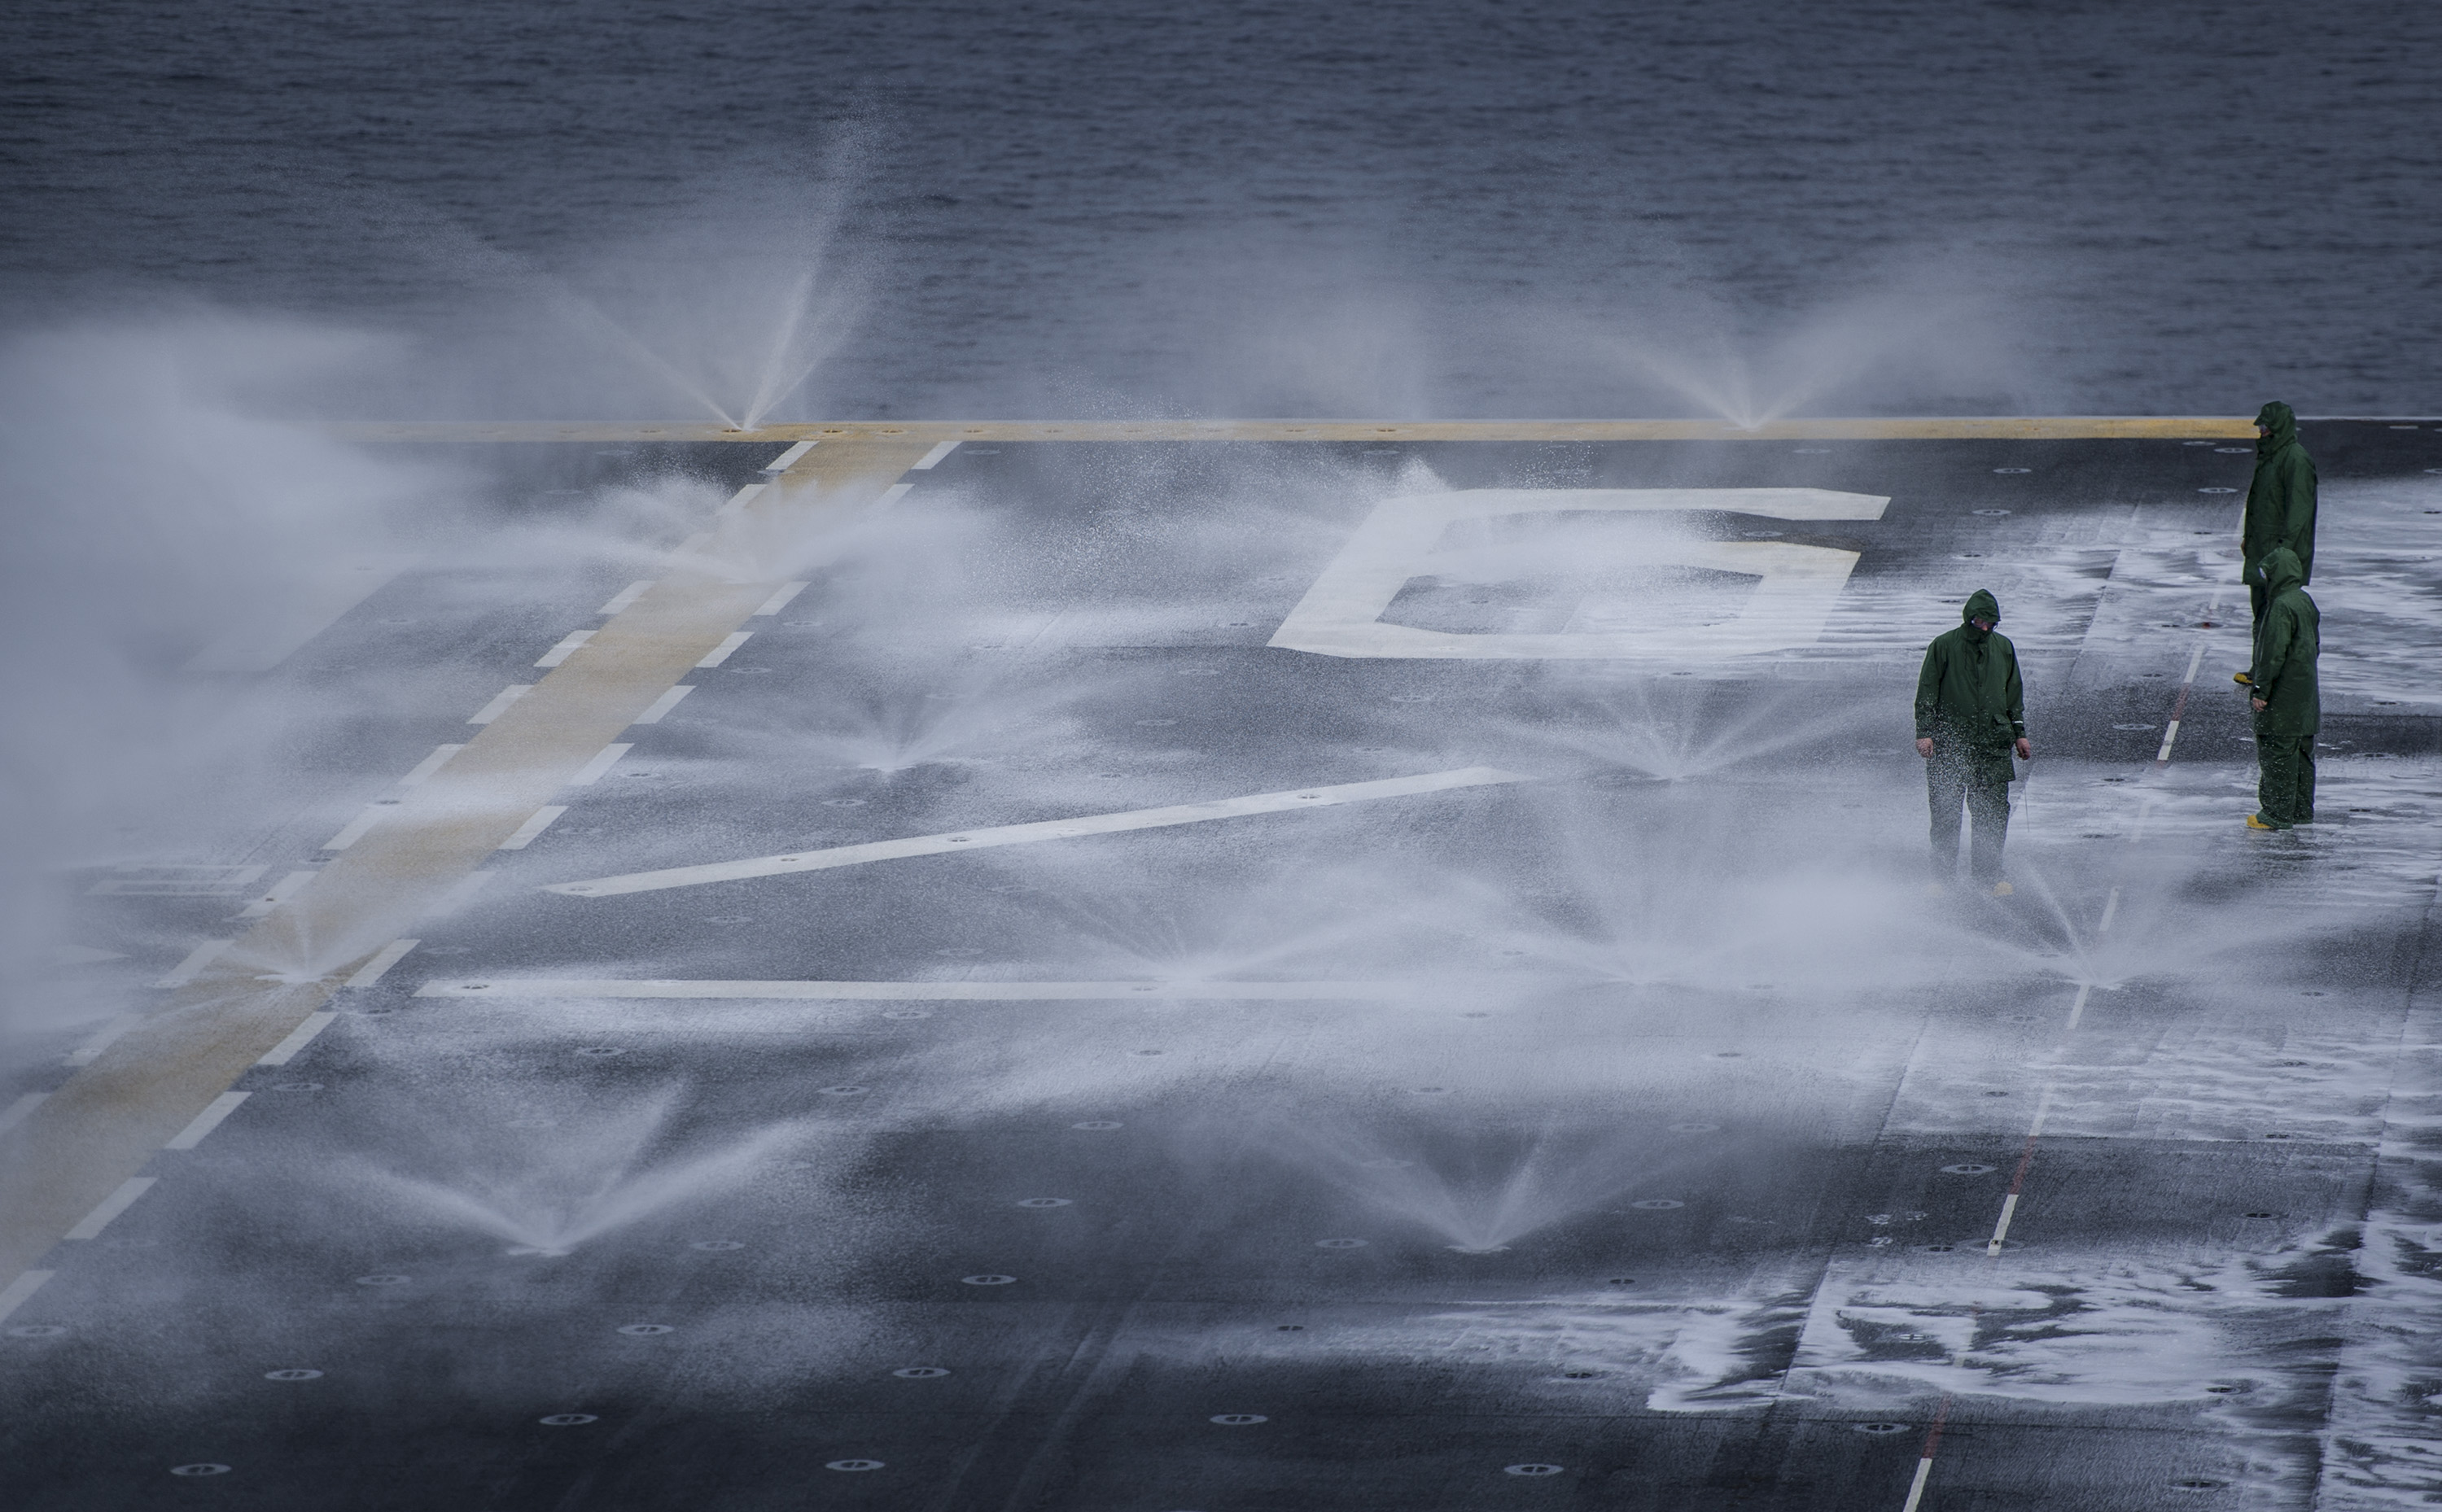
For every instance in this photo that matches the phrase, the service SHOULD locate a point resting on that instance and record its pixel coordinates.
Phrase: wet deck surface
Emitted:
(1632, 1135)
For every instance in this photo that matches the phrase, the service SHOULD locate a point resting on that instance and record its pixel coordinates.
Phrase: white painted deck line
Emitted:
(197, 959)
(1019, 834)
(619, 601)
(891, 496)
(90, 1051)
(303, 1035)
(933, 458)
(425, 768)
(279, 893)
(1916, 1487)
(2170, 733)
(13, 1296)
(92, 1223)
(206, 1121)
(738, 501)
(569, 645)
(595, 770)
(660, 706)
(2002, 1229)
(535, 824)
(961, 992)
(789, 458)
(461, 895)
(355, 829)
(384, 958)
(780, 600)
(15, 1113)
(721, 653)
(500, 703)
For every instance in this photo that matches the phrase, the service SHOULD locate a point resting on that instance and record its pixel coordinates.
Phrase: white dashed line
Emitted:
(206, 1121)
(738, 501)
(13, 1295)
(286, 889)
(789, 458)
(664, 705)
(604, 759)
(535, 824)
(780, 600)
(501, 702)
(103, 1038)
(1101, 823)
(933, 458)
(961, 992)
(569, 645)
(197, 959)
(891, 496)
(384, 958)
(91, 1224)
(15, 1113)
(620, 600)
(721, 653)
(425, 768)
(303, 1035)
(358, 827)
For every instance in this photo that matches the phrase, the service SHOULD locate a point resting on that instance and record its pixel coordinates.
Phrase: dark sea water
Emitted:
(1345, 207)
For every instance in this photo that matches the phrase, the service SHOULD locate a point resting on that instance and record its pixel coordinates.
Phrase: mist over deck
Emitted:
(1271, 964)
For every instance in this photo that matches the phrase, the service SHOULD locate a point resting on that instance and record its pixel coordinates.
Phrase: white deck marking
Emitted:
(206, 1121)
(1916, 1487)
(2194, 662)
(721, 653)
(91, 1224)
(303, 1035)
(789, 458)
(384, 958)
(462, 893)
(1796, 589)
(500, 703)
(891, 496)
(2077, 1010)
(535, 824)
(2170, 733)
(620, 600)
(960, 992)
(664, 705)
(2111, 908)
(738, 501)
(425, 768)
(13, 1295)
(279, 892)
(15, 1113)
(604, 759)
(197, 959)
(102, 1039)
(569, 645)
(1017, 834)
(358, 827)
(780, 600)
(933, 458)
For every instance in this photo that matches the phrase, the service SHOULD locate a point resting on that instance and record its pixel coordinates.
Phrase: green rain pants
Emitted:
(1981, 781)
(2284, 773)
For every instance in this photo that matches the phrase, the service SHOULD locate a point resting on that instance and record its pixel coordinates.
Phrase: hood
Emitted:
(2282, 572)
(2280, 425)
(1981, 603)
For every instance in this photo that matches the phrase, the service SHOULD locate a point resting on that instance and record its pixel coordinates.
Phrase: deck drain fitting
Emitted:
(292, 1375)
(1099, 1124)
(844, 1090)
(1657, 1204)
(1695, 1129)
(1532, 1470)
(1580, 1374)
(1044, 1202)
(1992, 513)
(1882, 1428)
(718, 1245)
(919, 1373)
(1967, 1167)
(906, 1012)
(1340, 1243)
(1288, 1328)
(1237, 1419)
(601, 1049)
(988, 1280)
(1429, 1091)
(645, 1330)
(37, 1331)
(199, 1470)
(383, 1279)
(568, 1419)
(851, 1465)
(1621, 1281)
(2255, 1215)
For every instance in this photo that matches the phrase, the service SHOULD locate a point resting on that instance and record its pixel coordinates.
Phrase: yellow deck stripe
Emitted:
(928, 432)
(87, 1139)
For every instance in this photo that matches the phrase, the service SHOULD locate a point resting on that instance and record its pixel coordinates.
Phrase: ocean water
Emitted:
(1367, 207)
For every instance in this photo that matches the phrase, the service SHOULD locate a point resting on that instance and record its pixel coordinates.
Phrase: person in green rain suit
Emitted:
(1971, 711)
(2288, 708)
(2280, 506)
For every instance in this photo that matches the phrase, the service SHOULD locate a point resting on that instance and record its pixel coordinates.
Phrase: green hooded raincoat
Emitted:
(1969, 690)
(2288, 640)
(2280, 501)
